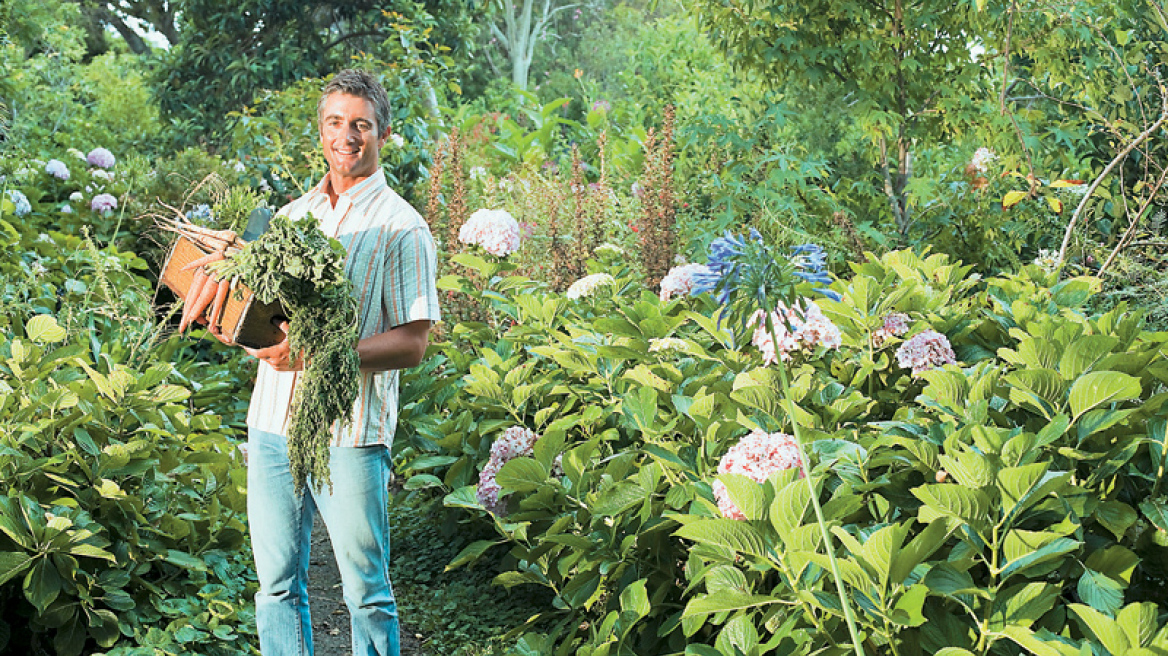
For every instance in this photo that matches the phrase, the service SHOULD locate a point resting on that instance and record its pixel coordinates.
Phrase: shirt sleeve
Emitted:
(410, 290)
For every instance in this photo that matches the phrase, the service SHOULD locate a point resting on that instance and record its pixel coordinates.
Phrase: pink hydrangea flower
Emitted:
(496, 231)
(515, 442)
(103, 203)
(925, 351)
(679, 281)
(101, 158)
(895, 325)
(756, 456)
(57, 169)
(809, 328)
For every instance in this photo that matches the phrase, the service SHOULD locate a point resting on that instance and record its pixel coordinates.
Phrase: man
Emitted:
(391, 261)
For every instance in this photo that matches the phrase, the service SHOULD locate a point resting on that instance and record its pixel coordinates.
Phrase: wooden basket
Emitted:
(245, 320)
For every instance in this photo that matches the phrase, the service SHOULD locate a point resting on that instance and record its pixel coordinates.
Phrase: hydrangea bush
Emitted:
(1022, 476)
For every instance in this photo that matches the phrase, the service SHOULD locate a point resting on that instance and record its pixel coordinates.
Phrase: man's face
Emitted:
(348, 136)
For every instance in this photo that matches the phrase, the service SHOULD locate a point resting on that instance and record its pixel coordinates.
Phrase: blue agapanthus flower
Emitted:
(811, 265)
(745, 267)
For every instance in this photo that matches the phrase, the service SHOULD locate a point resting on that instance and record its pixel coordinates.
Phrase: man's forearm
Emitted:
(400, 347)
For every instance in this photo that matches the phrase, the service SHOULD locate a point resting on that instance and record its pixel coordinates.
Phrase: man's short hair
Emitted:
(356, 82)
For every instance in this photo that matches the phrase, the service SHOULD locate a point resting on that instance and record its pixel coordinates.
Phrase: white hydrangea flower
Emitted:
(478, 173)
(496, 231)
(239, 166)
(609, 250)
(76, 197)
(57, 169)
(809, 328)
(588, 285)
(20, 201)
(66, 209)
(981, 159)
(76, 153)
(397, 140)
(102, 174)
(103, 203)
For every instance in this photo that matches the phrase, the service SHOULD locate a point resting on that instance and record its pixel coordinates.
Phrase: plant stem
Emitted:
(839, 584)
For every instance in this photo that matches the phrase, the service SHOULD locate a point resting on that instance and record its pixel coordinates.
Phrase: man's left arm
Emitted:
(400, 347)
(410, 301)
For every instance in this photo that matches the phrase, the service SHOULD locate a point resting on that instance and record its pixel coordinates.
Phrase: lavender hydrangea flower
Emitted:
(101, 158)
(57, 169)
(103, 203)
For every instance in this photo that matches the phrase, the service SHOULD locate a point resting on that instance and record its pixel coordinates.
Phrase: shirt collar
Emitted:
(359, 191)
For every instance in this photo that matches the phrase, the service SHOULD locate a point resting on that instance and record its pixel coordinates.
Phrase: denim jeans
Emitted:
(356, 514)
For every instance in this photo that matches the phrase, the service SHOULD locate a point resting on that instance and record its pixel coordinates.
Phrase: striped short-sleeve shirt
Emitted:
(391, 260)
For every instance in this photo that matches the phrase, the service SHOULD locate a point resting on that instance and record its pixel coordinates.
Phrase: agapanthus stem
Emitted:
(839, 583)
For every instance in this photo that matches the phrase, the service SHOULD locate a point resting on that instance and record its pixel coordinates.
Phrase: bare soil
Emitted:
(330, 617)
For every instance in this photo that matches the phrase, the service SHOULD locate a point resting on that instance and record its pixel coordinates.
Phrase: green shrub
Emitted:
(1008, 503)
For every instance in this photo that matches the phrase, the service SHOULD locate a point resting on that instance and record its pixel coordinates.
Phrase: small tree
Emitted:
(523, 28)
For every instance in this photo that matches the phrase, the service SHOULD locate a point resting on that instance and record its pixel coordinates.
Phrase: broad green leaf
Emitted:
(789, 507)
(42, 584)
(746, 494)
(634, 598)
(1054, 549)
(185, 560)
(463, 497)
(1101, 387)
(882, 548)
(955, 651)
(734, 535)
(969, 506)
(971, 469)
(912, 603)
(1138, 622)
(44, 328)
(170, 394)
(1105, 629)
(917, 550)
(1116, 562)
(1029, 641)
(13, 564)
(1116, 517)
(521, 474)
(1100, 592)
(617, 499)
(471, 553)
(948, 581)
(640, 408)
(1022, 605)
(1083, 353)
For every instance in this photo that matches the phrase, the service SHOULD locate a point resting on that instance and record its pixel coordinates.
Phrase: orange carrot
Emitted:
(198, 281)
(214, 256)
(218, 304)
(206, 295)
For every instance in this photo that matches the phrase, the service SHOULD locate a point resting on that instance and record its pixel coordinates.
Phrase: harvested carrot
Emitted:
(204, 298)
(218, 304)
(213, 256)
(198, 281)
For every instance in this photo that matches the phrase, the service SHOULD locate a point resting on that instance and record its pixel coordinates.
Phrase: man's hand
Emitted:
(278, 356)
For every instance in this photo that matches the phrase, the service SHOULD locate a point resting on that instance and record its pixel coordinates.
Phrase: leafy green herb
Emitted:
(295, 263)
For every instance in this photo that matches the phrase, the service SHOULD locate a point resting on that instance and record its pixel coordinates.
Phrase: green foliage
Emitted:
(1007, 503)
(123, 491)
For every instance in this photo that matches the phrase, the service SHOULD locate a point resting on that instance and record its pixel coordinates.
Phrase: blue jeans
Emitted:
(357, 517)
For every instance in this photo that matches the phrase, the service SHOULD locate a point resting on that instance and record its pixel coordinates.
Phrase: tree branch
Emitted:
(1107, 170)
(354, 35)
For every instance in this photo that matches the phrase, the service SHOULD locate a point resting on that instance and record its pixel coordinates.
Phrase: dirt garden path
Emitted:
(330, 618)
